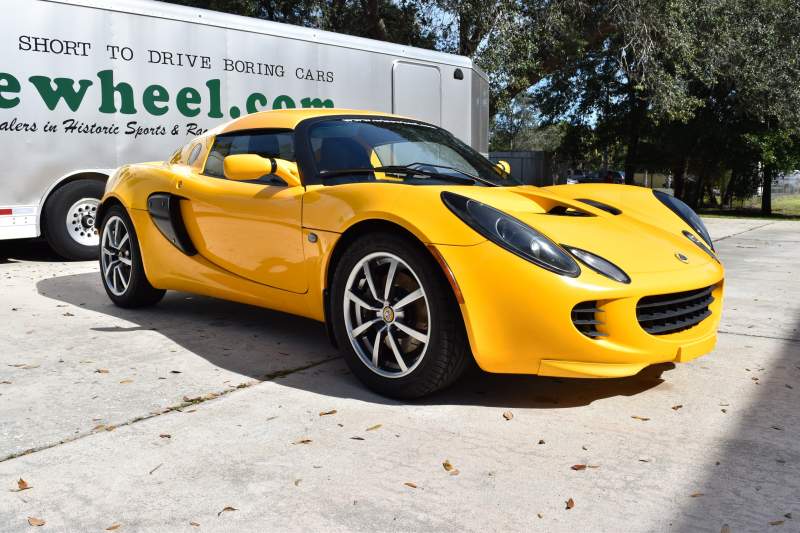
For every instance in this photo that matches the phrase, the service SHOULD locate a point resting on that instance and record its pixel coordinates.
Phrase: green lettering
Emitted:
(214, 107)
(107, 90)
(316, 102)
(283, 102)
(8, 84)
(187, 96)
(256, 99)
(64, 89)
(152, 95)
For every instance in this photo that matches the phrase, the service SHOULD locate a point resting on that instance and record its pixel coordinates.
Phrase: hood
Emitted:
(644, 237)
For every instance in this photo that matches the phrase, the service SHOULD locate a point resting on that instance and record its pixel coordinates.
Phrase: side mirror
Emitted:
(249, 167)
(503, 166)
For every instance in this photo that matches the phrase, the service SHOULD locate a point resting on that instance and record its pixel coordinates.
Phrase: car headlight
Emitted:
(600, 265)
(513, 235)
(689, 235)
(686, 213)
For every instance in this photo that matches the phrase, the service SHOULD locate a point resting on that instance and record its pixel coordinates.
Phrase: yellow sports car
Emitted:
(417, 252)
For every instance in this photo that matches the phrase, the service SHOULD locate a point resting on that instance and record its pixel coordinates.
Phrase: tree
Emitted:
(404, 21)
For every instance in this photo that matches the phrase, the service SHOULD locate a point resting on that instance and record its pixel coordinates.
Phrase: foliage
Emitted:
(405, 21)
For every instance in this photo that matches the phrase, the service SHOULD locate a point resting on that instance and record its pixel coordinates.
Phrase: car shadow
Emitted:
(17, 250)
(242, 339)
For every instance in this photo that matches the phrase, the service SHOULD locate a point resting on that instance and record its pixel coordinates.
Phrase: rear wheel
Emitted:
(395, 318)
(121, 266)
(69, 219)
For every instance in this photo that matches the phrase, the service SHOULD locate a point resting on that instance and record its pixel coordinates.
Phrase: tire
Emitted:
(121, 260)
(359, 318)
(69, 223)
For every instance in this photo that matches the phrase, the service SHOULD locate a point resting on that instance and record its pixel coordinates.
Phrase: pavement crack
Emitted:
(177, 407)
(744, 231)
(785, 339)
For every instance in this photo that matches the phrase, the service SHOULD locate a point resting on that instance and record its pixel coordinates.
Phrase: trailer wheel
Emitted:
(69, 219)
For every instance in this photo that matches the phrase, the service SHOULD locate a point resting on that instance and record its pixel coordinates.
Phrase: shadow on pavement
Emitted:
(241, 339)
(753, 484)
(28, 250)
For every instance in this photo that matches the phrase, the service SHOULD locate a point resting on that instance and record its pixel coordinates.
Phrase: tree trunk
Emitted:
(727, 196)
(376, 27)
(637, 113)
(712, 198)
(695, 199)
(679, 178)
(766, 194)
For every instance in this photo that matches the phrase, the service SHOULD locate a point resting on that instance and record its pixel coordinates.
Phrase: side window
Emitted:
(277, 144)
(195, 152)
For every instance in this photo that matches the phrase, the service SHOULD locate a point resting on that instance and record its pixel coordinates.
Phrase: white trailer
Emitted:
(88, 85)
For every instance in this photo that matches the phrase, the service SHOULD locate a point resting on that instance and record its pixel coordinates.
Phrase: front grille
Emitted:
(670, 313)
(584, 316)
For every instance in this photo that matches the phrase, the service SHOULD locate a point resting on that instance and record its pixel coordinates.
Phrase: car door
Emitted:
(251, 229)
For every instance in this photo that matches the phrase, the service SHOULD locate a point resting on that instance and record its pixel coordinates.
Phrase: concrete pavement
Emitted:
(161, 419)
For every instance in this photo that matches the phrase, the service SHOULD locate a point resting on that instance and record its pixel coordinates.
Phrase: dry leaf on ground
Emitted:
(165, 436)
(508, 415)
(227, 509)
(373, 428)
(125, 381)
(114, 526)
(642, 418)
(578, 467)
(410, 484)
(326, 413)
(297, 482)
(541, 441)
(570, 503)
(676, 407)
(101, 371)
(21, 485)
(696, 494)
(302, 441)
(776, 522)
(448, 467)
(33, 521)
(195, 524)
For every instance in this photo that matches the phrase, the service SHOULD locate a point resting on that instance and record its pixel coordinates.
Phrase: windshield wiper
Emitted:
(406, 171)
(467, 174)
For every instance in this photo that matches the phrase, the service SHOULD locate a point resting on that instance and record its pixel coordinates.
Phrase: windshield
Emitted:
(362, 144)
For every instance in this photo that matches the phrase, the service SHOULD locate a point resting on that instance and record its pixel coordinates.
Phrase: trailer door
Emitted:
(417, 91)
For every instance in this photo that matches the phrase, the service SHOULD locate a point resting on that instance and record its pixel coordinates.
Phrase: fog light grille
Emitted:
(585, 318)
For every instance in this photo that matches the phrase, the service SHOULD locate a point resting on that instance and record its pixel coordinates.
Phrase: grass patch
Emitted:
(784, 206)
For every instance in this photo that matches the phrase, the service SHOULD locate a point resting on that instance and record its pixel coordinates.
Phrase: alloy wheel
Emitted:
(115, 256)
(387, 315)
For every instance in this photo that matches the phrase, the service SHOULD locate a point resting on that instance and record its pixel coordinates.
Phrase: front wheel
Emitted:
(121, 266)
(396, 319)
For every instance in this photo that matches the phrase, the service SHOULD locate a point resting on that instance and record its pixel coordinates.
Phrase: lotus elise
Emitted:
(417, 252)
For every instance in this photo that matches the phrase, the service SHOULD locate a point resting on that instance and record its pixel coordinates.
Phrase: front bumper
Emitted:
(518, 316)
